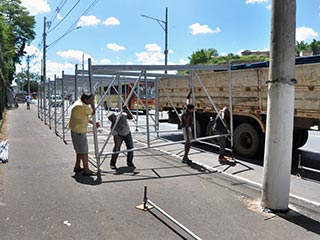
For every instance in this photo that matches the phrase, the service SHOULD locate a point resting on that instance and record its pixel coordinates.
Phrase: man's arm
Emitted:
(91, 102)
(127, 111)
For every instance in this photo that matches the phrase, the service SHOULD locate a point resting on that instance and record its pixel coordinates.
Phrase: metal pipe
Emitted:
(192, 234)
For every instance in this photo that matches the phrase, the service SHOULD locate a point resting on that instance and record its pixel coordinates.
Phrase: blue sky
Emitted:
(114, 32)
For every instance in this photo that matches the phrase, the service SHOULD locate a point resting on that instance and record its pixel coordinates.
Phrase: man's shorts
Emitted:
(80, 142)
(184, 130)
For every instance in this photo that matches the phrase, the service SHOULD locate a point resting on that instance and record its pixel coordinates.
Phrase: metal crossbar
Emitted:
(147, 201)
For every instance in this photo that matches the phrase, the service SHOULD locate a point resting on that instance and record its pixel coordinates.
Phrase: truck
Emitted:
(142, 94)
(249, 102)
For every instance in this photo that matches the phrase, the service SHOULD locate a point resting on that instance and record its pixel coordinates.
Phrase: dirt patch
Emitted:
(255, 206)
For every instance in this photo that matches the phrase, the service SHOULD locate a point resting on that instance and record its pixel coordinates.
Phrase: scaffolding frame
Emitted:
(151, 73)
(101, 79)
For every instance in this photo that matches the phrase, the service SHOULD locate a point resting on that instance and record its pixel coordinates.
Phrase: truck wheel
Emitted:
(300, 137)
(246, 140)
(210, 132)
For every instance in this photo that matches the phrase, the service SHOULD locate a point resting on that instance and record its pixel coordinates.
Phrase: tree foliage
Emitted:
(16, 31)
(202, 56)
(21, 79)
(314, 46)
(211, 56)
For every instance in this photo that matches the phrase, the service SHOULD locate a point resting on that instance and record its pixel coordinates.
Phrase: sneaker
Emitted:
(223, 159)
(187, 161)
(132, 165)
(113, 167)
(184, 161)
(89, 173)
(77, 170)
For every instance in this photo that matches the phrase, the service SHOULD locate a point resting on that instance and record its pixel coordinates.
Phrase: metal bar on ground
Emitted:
(180, 225)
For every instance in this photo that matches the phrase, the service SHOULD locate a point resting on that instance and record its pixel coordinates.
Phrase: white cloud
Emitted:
(105, 61)
(196, 28)
(153, 47)
(305, 33)
(115, 47)
(153, 55)
(255, 1)
(32, 51)
(73, 56)
(86, 21)
(59, 17)
(269, 7)
(36, 7)
(111, 21)
(54, 68)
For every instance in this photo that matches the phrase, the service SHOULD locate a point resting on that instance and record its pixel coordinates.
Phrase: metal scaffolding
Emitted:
(106, 82)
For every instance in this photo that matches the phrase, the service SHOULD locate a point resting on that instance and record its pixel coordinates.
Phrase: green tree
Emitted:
(18, 33)
(315, 47)
(16, 30)
(301, 46)
(22, 81)
(202, 56)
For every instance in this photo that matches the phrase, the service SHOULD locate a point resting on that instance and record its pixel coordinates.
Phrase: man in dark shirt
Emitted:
(221, 127)
(187, 121)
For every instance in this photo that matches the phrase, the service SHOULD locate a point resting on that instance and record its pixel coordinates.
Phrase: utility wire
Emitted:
(53, 17)
(56, 12)
(71, 28)
(64, 17)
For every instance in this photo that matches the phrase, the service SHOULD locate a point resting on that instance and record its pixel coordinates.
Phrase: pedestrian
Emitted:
(16, 101)
(27, 99)
(78, 123)
(121, 132)
(221, 127)
(186, 124)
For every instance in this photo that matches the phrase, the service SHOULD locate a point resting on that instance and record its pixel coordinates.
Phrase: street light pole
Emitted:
(164, 26)
(166, 41)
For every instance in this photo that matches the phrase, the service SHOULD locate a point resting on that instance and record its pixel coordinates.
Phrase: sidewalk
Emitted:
(41, 198)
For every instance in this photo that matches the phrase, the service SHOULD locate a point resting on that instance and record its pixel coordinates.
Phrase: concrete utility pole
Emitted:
(28, 74)
(280, 112)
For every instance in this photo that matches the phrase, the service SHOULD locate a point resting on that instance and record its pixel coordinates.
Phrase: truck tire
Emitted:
(246, 140)
(300, 137)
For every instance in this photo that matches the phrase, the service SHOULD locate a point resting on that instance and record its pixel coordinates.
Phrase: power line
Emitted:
(71, 28)
(64, 16)
(54, 15)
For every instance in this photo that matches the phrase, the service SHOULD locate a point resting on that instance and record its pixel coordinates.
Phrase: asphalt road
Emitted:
(41, 198)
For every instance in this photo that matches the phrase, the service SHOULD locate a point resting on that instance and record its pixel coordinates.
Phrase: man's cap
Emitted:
(110, 115)
(86, 95)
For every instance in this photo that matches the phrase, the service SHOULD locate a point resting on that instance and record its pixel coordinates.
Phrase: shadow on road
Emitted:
(307, 158)
(303, 221)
